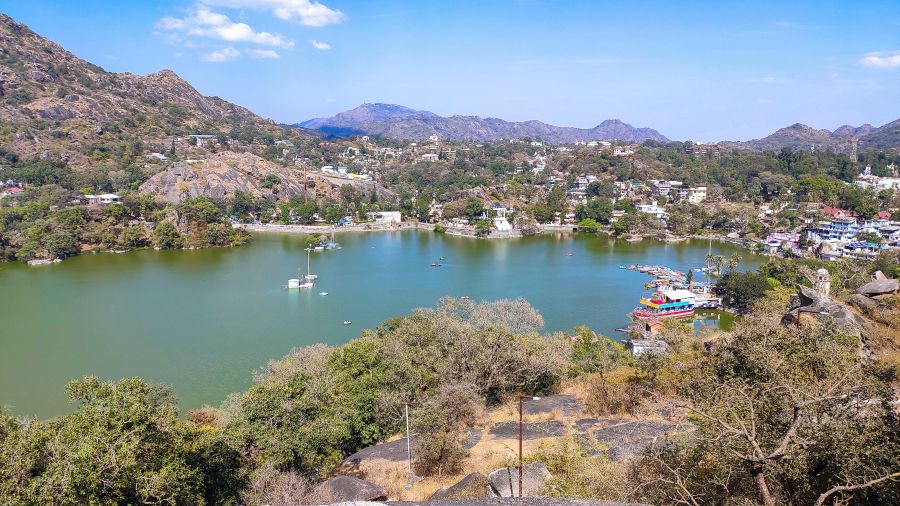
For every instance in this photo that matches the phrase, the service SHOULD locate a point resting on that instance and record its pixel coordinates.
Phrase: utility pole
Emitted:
(521, 430)
(408, 445)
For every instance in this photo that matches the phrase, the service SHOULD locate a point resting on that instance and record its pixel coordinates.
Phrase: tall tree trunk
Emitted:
(760, 479)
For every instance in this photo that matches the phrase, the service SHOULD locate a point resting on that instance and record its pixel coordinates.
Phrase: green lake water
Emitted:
(203, 320)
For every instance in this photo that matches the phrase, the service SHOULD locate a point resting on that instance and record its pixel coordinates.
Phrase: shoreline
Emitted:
(463, 232)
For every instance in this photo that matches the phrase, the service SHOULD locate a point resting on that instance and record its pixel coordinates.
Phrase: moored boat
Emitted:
(667, 304)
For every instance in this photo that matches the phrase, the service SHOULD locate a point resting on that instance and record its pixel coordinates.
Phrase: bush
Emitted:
(440, 427)
(439, 228)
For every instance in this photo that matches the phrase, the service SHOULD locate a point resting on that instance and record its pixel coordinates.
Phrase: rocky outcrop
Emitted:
(535, 476)
(224, 174)
(473, 486)
(348, 488)
(820, 307)
(536, 430)
(879, 287)
(501, 501)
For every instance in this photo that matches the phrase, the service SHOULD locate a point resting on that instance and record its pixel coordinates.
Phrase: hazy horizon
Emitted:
(709, 71)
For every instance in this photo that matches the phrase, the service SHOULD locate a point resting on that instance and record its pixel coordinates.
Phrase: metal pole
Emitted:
(520, 446)
(408, 446)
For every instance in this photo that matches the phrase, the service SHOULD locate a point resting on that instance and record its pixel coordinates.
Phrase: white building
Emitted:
(696, 194)
(653, 210)
(430, 157)
(385, 217)
(106, 198)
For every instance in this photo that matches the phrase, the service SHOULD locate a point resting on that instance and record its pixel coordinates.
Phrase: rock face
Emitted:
(879, 287)
(819, 306)
(505, 481)
(473, 486)
(224, 174)
(347, 488)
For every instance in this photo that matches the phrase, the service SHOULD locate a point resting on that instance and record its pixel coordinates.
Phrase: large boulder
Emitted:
(473, 486)
(505, 481)
(879, 287)
(348, 488)
(818, 306)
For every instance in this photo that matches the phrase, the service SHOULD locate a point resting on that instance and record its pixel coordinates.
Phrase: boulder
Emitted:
(862, 302)
(879, 287)
(819, 306)
(473, 486)
(348, 488)
(505, 481)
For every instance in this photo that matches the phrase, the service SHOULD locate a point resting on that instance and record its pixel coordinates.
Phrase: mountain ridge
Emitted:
(397, 121)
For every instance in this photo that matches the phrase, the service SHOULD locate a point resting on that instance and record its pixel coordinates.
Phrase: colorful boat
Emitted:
(666, 304)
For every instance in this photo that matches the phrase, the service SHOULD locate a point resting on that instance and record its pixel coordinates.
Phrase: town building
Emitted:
(385, 217)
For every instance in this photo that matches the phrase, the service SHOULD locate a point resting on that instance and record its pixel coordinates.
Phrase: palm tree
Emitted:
(719, 261)
(733, 262)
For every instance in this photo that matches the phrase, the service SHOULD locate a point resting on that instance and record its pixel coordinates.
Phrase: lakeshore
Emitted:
(203, 319)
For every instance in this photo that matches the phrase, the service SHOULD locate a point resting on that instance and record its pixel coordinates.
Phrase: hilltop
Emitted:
(803, 137)
(399, 122)
(54, 104)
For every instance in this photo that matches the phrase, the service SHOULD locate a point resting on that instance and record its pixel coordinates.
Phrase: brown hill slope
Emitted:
(52, 102)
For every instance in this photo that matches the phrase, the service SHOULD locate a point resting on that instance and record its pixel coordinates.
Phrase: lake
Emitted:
(203, 320)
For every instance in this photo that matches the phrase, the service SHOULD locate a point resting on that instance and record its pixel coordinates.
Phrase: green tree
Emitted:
(166, 236)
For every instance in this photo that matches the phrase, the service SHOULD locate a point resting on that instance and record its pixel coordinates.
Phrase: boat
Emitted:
(347, 322)
(323, 293)
(569, 254)
(435, 264)
(626, 330)
(623, 267)
(667, 304)
(465, 297)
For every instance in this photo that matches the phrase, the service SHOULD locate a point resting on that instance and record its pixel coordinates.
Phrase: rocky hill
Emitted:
(53, 103)
(224, 174)
(394, 121)
(802, 137)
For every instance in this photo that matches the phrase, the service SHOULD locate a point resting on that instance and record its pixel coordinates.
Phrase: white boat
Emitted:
(323, 293)
(347, 322)
(293, 283)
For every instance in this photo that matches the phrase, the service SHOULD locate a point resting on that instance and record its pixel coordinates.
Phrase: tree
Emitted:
(440, 426)
(589, 226)
(483, 228)
(124, 444)
(166, 236)
(733, 262)
(741, 289)
(784, 416)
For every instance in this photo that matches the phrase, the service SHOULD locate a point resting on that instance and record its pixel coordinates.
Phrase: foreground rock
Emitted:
(500, 501)
(505, 481)
(820, 307)
(348, 488)
(879, 287)
(537, 430)
(473, 486)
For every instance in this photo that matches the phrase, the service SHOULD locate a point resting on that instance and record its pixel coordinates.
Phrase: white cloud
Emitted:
(306, 12)
(222, 55)
(265, 54)
(882, 60)
(321, 46)
(203, 22)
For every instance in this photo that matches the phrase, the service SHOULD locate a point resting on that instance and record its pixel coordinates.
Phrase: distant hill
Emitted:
(53, 103)
(395, 121)
(802, 137)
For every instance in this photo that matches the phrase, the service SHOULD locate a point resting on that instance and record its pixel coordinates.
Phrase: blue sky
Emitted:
(700, 70)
